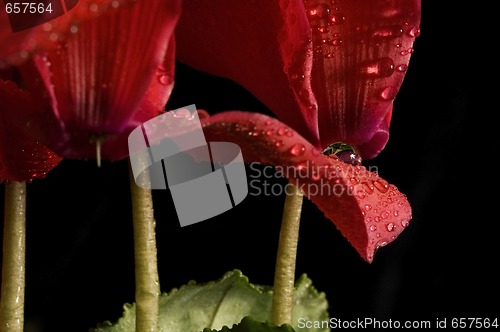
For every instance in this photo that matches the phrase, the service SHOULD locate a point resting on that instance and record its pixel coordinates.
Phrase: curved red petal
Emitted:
(367, 210)
(318, 65)
(21, 158)
(360, 59)
(97, 81)
(24, 35)
(262, 45)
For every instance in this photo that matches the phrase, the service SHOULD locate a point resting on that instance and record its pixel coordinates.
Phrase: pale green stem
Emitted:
(14, 254)
(284, 277)
(147, 283)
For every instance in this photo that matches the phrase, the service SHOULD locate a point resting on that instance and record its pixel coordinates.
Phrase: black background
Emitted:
(441, 155)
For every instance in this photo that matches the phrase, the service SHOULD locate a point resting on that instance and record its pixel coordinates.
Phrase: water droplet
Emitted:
(381, 243)
(373, 228)
(381, 185)
(404, 223)
(73, 29)
(402, 68)
(278, 143)
(164, 79)
(414, 32)
(383, 67)
(282, 131)
(320, 11)
(323, 29)
(298, 150)
(390, 227)
(368, 207)
(344, 152)
(337, 42)
(337, 18)
(390, 32)
(368, 187)
(389, 93)
(384, 215)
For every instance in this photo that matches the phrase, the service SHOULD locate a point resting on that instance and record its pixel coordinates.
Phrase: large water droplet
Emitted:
(383, 67)
(344, 152)
(298, 150)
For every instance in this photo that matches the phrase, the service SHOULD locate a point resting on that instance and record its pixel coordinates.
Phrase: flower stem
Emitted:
(147, 283)
(284, 277)
(14, 253)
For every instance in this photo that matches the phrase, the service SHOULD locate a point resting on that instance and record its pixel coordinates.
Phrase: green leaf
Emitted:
(248, 324)
(225, 302)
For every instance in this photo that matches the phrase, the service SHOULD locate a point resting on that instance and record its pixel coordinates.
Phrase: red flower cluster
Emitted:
(328, 69)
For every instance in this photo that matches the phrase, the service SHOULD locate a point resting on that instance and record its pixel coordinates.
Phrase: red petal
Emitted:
(21, 159)
(368, 211)
(18, 46)
(359, 65)
(355, 52)
(98, 80)
(262, 45)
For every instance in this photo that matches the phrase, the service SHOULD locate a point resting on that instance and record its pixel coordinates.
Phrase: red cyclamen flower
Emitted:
(103, 78)
(329, 69)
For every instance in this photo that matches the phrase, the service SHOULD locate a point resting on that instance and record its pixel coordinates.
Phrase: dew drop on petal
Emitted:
(390, 227)
(414, 32)
(320, 11)
(389, 93)
(389, 32)
(337, 18)
(337, 41)
(383, 67)
(373, 228)
(404, 223)
(344, 152)
(368, 187)
(282, 131)
(298, 150)
(381, 185)
(164, 79)
(381, 243)
(402, 68)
